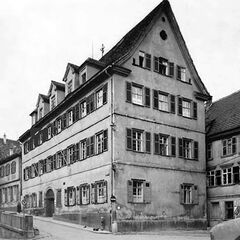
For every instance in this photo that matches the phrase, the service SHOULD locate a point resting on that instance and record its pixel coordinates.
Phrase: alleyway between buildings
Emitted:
(55, 230)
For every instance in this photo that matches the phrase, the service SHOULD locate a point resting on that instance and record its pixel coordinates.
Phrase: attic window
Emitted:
(163, 35)
(163, 19)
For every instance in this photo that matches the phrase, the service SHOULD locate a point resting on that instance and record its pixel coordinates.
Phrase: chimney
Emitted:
(4, 138)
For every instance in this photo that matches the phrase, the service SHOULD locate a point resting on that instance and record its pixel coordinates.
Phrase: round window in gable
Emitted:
(163, 19)
(163, 35)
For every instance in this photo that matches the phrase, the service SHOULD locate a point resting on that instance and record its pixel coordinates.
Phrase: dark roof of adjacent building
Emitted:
(6, 146)
(223, 115)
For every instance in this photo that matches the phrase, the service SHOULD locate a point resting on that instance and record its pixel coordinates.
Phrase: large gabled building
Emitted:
(223, 149)
(126, 141)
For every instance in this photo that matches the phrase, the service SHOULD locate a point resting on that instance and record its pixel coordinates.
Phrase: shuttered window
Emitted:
(189, 194)
(138, 191)
(164, 145)
(188, 148)
(59, 198)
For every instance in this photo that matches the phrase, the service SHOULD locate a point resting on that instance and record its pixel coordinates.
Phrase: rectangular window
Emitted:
(69, 86)
(189, 194)
(99, 143)
(90, 105)
(227, 176)
(181, 74)
(49, 132)
(215, 211)
(218, 177)
(163, 102)
(229, 146)
(83, 149)
(101, 190)
(163, 66)
(188, 148)
(99, 98)
(70, 117)
(137, 95)
(53, 102)
(137, 140)
(137, 191)
(70, 194)
(83, 77)
(211, 178)
(209, 151)
(144, 60)
(229, 210)
(236, 174)
(186, 108)
(70, 155)
(84, 194)
(83, 109)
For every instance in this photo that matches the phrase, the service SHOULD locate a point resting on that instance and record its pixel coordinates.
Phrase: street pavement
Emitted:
(56, 230)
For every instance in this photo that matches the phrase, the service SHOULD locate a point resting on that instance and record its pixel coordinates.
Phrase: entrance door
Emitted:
(49, 203)
(229, 210)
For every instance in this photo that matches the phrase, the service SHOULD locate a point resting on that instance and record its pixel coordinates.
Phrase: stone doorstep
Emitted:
(27, 234)
(73, 225)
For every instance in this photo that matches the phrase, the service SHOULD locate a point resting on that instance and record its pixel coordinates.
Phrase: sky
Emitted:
(39, 37)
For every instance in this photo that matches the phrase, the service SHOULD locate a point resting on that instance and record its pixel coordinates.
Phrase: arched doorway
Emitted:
(49, 203)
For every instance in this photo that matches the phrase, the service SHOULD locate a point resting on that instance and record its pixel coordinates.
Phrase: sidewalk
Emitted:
(89, 229)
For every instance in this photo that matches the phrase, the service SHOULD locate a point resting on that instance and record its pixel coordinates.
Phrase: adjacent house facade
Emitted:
(126, 140)
(223, 148)
(10, 174)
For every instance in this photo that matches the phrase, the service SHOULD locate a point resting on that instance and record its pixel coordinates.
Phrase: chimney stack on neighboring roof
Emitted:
(4, 138)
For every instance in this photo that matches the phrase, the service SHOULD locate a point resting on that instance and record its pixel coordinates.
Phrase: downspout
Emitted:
(112, 171)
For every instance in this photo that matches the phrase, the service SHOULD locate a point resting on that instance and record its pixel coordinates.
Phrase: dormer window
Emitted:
(69, 86)
(83, 109)
(53, 102)
(40, 113)
(70, 118)
(99, 97)
(83, 76)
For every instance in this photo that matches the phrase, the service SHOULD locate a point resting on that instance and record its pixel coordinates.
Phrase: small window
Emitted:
(69, 86)
(163, 34)
(70, 118)
(53, 102)
(181, 74)
(137, 95)
(83, 149)
(83, 109)
(7, 169)
(211, 178)
(229, 146)
(99, 98)
(59, 125)
(49, 132)
(189, 194)
(13, 167)
(209, 151)
(229, 210)
(163, 66)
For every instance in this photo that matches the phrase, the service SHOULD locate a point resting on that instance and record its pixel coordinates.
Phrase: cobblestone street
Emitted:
(55, 230)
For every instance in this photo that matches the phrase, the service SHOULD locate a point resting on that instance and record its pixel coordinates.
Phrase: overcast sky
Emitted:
(39, 37)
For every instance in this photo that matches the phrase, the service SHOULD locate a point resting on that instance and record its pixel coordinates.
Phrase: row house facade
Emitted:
(10, 174)
(126, 138)
(223, 149)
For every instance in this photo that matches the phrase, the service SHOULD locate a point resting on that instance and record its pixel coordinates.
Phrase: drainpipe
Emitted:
(113, 198)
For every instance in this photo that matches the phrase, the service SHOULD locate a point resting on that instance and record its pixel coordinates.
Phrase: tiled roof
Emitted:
(224, 114)
(5, 148)
(59, 86)
(131, 38)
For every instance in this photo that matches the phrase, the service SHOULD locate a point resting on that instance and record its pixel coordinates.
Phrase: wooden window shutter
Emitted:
(147, 97)
(105, 94)
(129, 191)
(180, 106)
(66, 197)
(36, 140)
(76, 152)
(77, 112)
(180, 147)
(73, 114)
(93, 197)
(148, 59)
(129, 139)
(78, 195)
(171, 69)
(92, 102)
(148, 142)
(181, 194)
(88, 194)
(105, 140)
(105, 191)
(156, 143)
(234, 145)
(64, 121)
(195, 150)
(92, 145)
(45, 134)
(178, 70)
(147, 195)
(195, 110)
(88, 104)
(172, 104)
(173, 146)
(155, 99)
(195, 195)
(88, 146)
(128, 92)
(74, 196)
(156, 64)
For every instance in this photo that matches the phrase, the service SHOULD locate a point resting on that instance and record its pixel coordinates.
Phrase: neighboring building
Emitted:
(10, 174)
(223, 149)
(130, 127)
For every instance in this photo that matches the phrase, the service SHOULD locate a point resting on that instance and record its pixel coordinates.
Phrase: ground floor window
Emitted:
(59, 198)
(188, 193)
(139, 191)
(70, 196)
(229, 213)
(215, 211)
(40, 199)
(99, 192)
(83, 192)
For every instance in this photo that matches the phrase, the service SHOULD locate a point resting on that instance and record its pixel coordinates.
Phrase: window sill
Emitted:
(229, 155)
(190, 159)
(135, 65)
(188, 83)
(163, 74)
